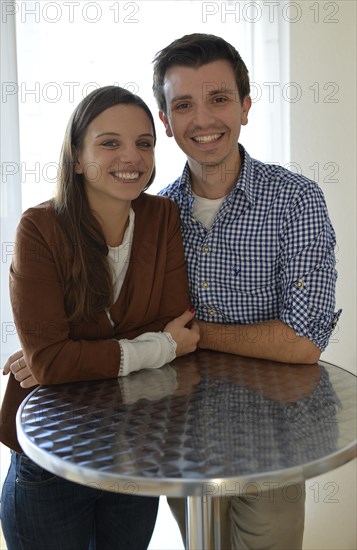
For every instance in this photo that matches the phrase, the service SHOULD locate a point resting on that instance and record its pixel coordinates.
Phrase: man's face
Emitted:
(204, 113)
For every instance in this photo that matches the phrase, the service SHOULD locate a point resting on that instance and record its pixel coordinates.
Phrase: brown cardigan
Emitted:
(155, 290)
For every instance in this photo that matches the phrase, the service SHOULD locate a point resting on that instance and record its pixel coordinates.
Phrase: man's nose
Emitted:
(203, 115)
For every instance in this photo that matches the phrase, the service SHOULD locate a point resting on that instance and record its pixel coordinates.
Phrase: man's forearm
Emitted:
(272, 340)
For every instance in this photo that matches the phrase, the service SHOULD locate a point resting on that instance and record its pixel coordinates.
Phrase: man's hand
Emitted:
(186, 337)
(17, 365)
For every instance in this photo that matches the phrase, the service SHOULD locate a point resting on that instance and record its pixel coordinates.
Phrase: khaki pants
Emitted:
(272, 520)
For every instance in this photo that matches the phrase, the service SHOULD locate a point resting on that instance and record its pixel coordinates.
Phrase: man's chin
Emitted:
(208, 163)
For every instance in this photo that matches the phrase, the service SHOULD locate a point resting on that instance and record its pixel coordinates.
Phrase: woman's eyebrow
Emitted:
(107, 134)
(117, 134)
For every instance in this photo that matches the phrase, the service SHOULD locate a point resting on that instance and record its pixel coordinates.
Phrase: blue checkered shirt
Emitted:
(268, 255)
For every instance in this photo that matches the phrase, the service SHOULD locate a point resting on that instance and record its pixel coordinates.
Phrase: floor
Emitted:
(166, 535)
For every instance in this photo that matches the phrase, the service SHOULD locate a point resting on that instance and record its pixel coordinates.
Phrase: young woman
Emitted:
(98, 288)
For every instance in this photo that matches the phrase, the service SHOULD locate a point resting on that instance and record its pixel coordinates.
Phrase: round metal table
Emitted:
(207, 425)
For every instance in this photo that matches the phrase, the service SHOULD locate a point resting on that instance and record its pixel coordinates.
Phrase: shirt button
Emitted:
(300, 283)
(211, 311)
(204, 284)
(205, 249)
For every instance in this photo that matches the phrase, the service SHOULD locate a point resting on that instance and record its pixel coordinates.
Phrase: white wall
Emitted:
(323, 135)
(323, 131)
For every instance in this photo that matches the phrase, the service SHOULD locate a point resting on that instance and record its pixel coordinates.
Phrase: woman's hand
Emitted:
(12, 360)
(186, 338)
(17, 365)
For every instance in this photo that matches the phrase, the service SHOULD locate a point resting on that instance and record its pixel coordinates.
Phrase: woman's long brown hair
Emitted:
(88, 286)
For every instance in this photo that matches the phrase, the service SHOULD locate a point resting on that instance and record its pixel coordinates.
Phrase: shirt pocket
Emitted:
(249, 304)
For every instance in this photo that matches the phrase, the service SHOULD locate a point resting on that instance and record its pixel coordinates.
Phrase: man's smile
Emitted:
(208, 138)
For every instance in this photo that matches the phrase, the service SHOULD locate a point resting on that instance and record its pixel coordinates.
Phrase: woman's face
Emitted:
(117, 155)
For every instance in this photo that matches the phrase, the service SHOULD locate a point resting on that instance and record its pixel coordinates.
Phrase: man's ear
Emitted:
(166, 123)
(247, 103)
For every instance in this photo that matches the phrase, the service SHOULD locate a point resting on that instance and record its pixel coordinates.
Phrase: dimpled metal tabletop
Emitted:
(206, 421)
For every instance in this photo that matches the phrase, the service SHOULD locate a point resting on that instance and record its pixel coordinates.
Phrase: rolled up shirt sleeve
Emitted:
(308, 273)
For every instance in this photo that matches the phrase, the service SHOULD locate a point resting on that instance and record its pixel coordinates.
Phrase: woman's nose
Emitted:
(129, 153)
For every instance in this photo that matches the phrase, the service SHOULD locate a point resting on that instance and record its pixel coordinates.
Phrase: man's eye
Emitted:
(220, 99)
(182, 106)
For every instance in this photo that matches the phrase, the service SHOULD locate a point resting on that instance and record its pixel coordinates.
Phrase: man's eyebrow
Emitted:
(210, 92)
(220, 90)
(181, 97)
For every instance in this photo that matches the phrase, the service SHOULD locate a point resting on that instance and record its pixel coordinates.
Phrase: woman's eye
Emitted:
(145, 144)
(110, 144)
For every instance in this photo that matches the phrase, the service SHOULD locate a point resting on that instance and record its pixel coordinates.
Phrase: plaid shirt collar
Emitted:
(245, 184)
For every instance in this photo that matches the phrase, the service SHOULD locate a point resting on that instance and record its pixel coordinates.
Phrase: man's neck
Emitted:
(214, 181)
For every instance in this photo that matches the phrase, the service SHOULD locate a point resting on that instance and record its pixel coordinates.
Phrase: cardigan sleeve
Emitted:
(37, 299)
(54, 349)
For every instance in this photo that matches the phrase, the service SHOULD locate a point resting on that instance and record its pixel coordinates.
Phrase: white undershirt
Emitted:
(151, 349)
(118, 257)
(205, 210)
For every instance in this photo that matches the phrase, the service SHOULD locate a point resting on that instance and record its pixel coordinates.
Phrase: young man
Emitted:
(259, 248)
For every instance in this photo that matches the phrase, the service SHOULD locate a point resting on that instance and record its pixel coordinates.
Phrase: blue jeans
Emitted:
(41, 511)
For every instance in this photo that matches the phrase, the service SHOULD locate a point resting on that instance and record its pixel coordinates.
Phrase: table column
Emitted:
(202, 518)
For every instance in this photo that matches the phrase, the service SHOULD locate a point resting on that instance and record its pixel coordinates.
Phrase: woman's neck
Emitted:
(114, 220)
(114, 232)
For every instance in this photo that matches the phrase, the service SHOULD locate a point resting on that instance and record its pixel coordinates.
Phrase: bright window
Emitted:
(67, 48)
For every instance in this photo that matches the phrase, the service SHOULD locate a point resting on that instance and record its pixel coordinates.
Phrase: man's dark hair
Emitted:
(195, 50)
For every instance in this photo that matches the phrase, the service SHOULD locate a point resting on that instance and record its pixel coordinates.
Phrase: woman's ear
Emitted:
(166, 123)
(77, 164)
(78, 167)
